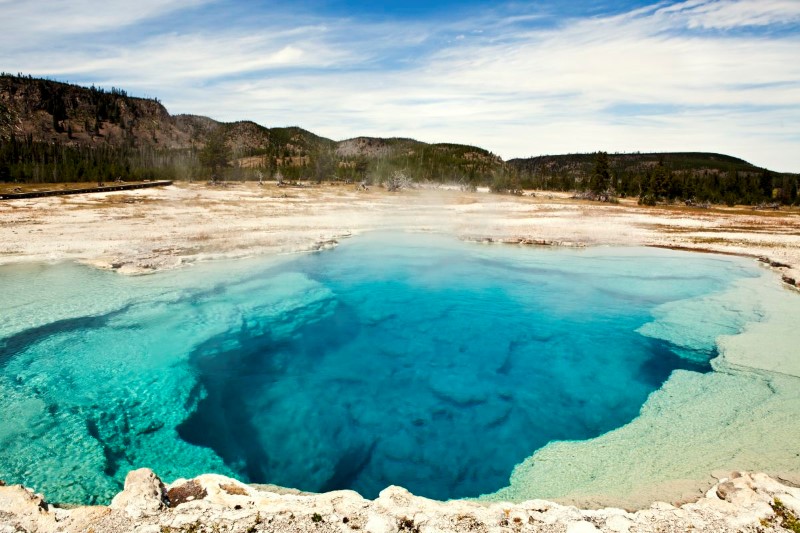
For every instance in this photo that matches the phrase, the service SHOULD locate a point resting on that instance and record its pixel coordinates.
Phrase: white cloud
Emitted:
(587, 84)
(727, 14)
(173, 59)
(33, 20)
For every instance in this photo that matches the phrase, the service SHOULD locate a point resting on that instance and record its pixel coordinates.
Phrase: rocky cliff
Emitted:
(49, 111)
(743, 503)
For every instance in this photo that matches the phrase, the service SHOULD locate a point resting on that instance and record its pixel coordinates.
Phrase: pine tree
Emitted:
(765, 183)
(215, 154)
(661, 181)
(601, 177)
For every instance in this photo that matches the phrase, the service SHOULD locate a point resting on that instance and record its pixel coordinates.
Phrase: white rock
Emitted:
(738, 504)
(152, 528)
(142, 496)
(581, 527)
(619, 524)
(378, 524)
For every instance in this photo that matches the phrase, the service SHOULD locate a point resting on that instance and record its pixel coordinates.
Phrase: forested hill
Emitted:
(52, 132)
(58, 132)
(678, 175)
(583, 164)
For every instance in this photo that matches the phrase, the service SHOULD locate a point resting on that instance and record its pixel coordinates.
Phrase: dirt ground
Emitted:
(145, 230)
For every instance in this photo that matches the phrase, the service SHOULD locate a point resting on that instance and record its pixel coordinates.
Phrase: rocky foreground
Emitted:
(212, 503)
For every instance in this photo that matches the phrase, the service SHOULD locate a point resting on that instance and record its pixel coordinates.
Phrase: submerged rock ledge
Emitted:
(744, 502)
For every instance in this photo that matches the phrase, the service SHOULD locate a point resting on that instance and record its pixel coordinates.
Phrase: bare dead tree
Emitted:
(398, 180)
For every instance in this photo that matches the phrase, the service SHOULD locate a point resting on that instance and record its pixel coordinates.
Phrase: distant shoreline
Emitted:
(149, 230)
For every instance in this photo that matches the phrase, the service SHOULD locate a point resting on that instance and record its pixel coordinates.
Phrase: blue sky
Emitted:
(518, 78)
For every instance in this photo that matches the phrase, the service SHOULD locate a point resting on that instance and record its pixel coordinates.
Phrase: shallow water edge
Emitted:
(697, 427)
(726, 417)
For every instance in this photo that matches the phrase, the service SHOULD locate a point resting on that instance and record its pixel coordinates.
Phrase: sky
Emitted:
(517, 78)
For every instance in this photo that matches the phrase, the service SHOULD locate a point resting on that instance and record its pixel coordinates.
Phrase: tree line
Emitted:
(245, 150)
(653, 178)
(29, 161)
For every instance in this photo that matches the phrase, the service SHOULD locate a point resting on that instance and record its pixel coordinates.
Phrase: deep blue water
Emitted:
(412, 360)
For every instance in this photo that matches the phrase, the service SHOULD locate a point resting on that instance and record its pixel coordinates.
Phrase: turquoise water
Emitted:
(413, 360)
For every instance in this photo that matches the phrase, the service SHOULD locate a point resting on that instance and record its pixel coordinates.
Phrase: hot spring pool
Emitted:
(404, 359)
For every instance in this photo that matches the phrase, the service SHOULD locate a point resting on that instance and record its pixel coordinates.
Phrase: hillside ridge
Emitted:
(43, 121)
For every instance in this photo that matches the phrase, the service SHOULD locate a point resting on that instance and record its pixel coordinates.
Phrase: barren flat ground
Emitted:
(155, 229)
